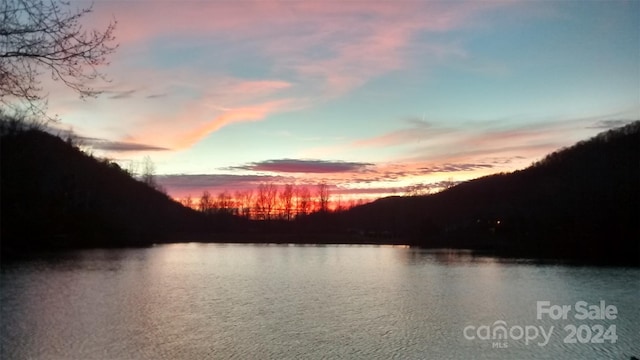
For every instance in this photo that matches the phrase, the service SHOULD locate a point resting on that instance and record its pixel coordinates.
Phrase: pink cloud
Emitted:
(331, 46)
(478, 142)
(195, 122)
(176, 109)
(322, 49)
(426, 153)
(243, 114)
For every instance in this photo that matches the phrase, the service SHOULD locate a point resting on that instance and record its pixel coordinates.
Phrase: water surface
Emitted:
(195, 301)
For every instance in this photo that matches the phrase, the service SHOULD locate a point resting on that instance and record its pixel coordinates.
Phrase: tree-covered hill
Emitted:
(55, 196)
(578, 202)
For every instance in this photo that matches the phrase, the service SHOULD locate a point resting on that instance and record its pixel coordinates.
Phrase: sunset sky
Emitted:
(368, 96)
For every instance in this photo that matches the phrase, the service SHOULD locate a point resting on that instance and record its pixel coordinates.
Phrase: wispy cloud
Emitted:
(119, 146)
(609, 124)
(180, 185)
(199, 181)
(306, 52)
(473, 143)
(442, 168)
(415, 131)
(100, 143)
(305, 166)
(192, 106)
(156, 96)
(243, 114)
(121, 94)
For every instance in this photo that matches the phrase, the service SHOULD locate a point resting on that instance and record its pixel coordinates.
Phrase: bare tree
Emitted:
(205, 205)
(323, 197)
(187, 201)
(132, 168)
(148, 175)
(339, 204)
(295, 201)
(244, 200)
(261, 202)
(351, 204)
(266, 200)
(44, 35)
(447, 184)
(286, 199)
(304, 200)
(418, 189)
(225, 202)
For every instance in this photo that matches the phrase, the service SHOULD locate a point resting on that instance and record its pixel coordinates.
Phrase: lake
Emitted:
(227, 301)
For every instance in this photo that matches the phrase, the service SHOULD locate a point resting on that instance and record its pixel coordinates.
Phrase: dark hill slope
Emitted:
(55, 196)
(580, 202)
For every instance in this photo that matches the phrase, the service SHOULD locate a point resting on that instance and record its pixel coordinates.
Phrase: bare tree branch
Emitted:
(39, 36)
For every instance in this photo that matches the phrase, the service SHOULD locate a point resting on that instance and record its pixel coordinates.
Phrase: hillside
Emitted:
(55, 196)
(580, 202)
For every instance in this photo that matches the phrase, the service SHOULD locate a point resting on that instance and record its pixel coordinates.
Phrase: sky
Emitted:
(370, 97)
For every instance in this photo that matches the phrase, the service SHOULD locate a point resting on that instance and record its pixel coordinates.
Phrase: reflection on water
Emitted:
(279, 301)
(464, 257)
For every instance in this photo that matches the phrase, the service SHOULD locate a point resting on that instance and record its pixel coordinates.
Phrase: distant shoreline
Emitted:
(319, 239)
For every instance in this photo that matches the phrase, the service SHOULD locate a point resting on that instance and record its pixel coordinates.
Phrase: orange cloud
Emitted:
(195, 122)
(243, 114)
(175, 109)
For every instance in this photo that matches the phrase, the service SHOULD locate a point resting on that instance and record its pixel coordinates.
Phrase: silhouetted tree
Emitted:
(286, 199)
(261, 202)
(148, 175)
(266, 200)
(225, 202)
(205, 204)
(323, 197)
(304, 200)
(38, 36)
(132, 168)
(418, 190)
(244, 200)
(447, 184)
(187, 201)
(339, 205)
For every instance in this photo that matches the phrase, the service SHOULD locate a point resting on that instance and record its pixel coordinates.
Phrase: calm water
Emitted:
(197, 301)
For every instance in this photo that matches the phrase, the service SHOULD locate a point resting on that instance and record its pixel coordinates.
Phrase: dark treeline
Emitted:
(270, 201)
(581, 202)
